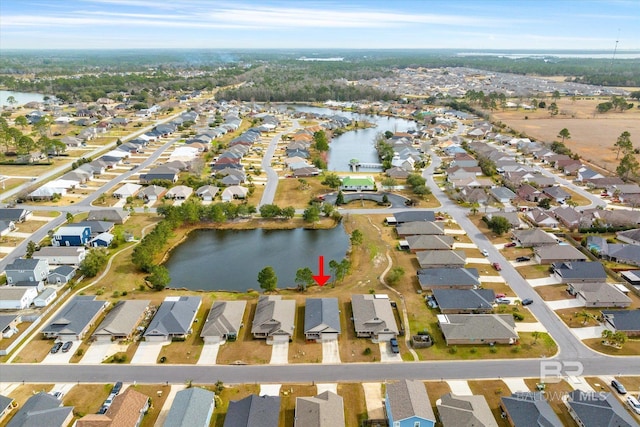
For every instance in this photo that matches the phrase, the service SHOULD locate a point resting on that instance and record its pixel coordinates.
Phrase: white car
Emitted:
(485, 252)
(633, 404)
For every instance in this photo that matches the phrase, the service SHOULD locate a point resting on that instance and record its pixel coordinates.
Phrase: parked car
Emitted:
(527, 301)
(58, 395)
(485, 252)
(500, 295)
(116, 388)
(56, 347)
(103, 409)
(67, 346)
(618, 386)
(523, 259)
(431, 301)
(496, 266)
(394, 346)
(633, 404)
(509, 245)
(503, 301)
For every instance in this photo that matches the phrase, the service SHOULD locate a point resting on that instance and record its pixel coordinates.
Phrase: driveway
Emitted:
(330, 351)
(209, 354)
(167, 404)
(456, 232)
(332, 387)
(588, 332)
(100, 350)
(147, 352)
(373, 399)
(523, 263)
(530, 327)
(565, 303)
(478, 261)
(515, 384)
(492, 279)
(460, 388)
(551, 280)
(61, 357)
(579, 383)
(279, 353)
(270, 389)
(458, 245)
(386, 355)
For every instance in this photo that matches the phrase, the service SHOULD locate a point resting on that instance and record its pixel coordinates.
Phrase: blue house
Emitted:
(101, 240)
(72, 235)
(407, 404)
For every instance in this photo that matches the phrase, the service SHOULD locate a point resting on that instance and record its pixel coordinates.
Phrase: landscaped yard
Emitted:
(553, 292)
(536, 271)
(354, 403)
(87, 398)
(630, 348)
(579, 317)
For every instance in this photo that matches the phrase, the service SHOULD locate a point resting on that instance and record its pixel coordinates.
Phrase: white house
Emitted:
(17, 297)
(46, 297)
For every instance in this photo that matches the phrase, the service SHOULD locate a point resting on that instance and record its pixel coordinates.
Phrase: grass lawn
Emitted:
(128, 355)
(246, 349)
(29, 226)
(188, 351)
(354, 403)
(553, 393)
(288, 394)
(352, 348)
(435, 390)
(86, 398)
(573, 318)
(35, 351)
(493, 391)
(291, 192)
(553, 292)
(235, 392)
(534, 271)
(157, 401)
(482, 226)
(6, 342)
(301, 351)
(577, 198)
(630, 348)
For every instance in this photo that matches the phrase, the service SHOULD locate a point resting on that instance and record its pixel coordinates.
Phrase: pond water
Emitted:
(20, 97)
(358, 144)
(231, 259)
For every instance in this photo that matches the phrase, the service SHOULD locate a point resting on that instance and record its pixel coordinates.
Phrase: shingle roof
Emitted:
(75, 316)
(321, 314)
(191, 407)
(323, 410)
(451, 299)
(174, 317)
(623, 320)
(457, 411)
(224, 317)
(599, 410)
(409, 399)
(448, 277)
(263, 411)
(440, 258)
(419, 227)
(528, 409)
(414, 216)
(23, 264)
(430, 242)
(580, 270)
(477, 327)
(125, 410)
(122, 318)
(372, 313)
(41, 409)
(560, 252)
(274, 316)
(601, 293)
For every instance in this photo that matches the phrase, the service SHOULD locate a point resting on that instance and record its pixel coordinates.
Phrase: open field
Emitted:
(592, 134)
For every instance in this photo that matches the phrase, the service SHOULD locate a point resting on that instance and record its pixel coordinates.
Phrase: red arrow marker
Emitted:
(321, 279)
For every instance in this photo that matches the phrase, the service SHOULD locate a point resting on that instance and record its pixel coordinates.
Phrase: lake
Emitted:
(358, 144)
(231, 259)
(21, 97)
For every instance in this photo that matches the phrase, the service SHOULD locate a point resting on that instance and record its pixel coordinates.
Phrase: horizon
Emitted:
(599, 25)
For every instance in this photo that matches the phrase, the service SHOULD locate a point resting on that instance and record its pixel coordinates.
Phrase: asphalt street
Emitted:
(272, 176)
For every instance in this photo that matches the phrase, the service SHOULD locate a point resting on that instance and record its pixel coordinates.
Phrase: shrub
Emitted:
(473, 350)
(453, 350)
(515, 349)
(367, 351)
(493, 350)
(518, 316)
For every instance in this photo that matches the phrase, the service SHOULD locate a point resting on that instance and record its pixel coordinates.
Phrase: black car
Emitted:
(527, 301)
(116, 388)
(522, 259)
(618, 386)
(103, 409)
(394, 346)
(67, 346)
(56, 347)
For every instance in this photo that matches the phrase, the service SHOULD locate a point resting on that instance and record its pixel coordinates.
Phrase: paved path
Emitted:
(374, 401)
(515, 384)
(588, 332)
(330, 351)
(279, 353)
(147, 352)
(271, 185)
(209, 354)
(460, 388)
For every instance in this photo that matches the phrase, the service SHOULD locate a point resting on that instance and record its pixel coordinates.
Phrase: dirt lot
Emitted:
(592, 134)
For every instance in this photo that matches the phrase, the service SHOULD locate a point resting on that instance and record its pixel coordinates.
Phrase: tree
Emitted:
(635, 95)
(311, 214)
(93, 262)
(270, 211)
(332, 180)
(43, 125)
(619, 338)
(356, 237)
(11, 100)
(31, 248)
(159, 277)
(544, 203)
(69, 217)
(340, 198)
(585, 316)
(474, 208)
(553, 109)
(327, 209)
(288, 212)
(268, 279)
(564, 134)
(499, 224)
(21, 121)
(389, 182)
(304, 278)
(555, 95)
(487, 166)
(395, 275)
(623, 143)
(321, 142)
(628, 167)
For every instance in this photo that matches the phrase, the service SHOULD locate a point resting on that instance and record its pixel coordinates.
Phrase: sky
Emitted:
(319, 24)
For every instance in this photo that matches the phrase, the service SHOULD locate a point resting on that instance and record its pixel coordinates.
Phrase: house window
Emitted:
(416, 424)
(396, 424)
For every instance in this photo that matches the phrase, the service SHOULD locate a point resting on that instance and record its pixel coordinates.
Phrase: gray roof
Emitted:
(417, 227)
(323, 410)
(432, 277)
(115, 215)
(12, 214)
(42, 409)
(152, 190)
(455, 411)
(63, 270)
(451, 299)
(274, 316)
(502, 193)
(372, 313)
(263, 411)
(59, 251)
(440, 258)
(623, 320)
(534, 237)
(97, 227)
(601, 293)
(4, 401)
(411, 216)
(6, 320)
(23, 264)
(191, 407)
(122, 318)
(174, 317)
(408, 399)
(75, 316)
(210, 190)
(322, 315)
(559, 252)
(224, 317)
(47, 293)
(580, 270)
(13, 293)
(477, 327)
(528, 409)
(599, 410)
(430, 242)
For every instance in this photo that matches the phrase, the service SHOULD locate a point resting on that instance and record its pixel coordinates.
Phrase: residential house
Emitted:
(473, 195)
(127, 410)
(464, 301)
(633, 277)
(234, 192)
(512, 217)
(464, 160)
(207, 192)
(397, 173)
(530, 193)
(179, 192)
(192, 407)
(75, 319)
(429, 242)
(502, 194)
(61, 275)
(542, 218)
(597, 409)
(6, 227)
(152, 193)
(42, 409)
(323, 410)
(533, 238)
(97, 227)
(117, 216)
(274, 319)
(414, 216)
(599, 294)
(17, 297)
(127, 190)
(61, 255)
(321, 319)
(627, 321)
(373, 317)
(71, 235)
(456, 411)
(419, 228)
(478, 328)
(27, 272)
(8, 328)
(407, 404)
(557, 194)
(15, 215)
(47, 296)
(121, 321)
(442, 259)
(579, 272)
(173, 318)
(529, 409)
(160, 173)
(448, 278)
(223, 322)
(253, 410)
(629, 236)
(6, 403)
(357, 183)
(568, 216)
(557, 253)
(585, 174)
(102, 240)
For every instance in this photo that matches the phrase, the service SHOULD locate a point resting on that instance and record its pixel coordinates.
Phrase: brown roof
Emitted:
(123, 412)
